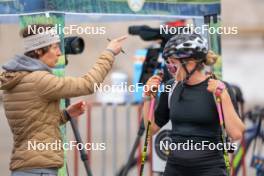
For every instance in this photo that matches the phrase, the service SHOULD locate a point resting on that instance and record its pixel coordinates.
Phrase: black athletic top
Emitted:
(194, 116)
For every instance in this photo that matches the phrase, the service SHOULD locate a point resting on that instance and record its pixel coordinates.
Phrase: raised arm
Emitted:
(52, 87)
(233, 124)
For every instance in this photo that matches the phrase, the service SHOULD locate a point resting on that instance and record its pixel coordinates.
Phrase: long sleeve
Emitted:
(52, 87)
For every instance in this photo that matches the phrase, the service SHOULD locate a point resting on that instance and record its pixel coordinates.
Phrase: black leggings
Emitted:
(177, 170)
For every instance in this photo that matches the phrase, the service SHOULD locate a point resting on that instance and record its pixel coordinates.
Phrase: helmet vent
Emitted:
(200, 41)
(187, 44)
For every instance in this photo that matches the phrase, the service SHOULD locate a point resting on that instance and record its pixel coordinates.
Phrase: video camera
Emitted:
(73, 45)
(151, 62)
(147, 33)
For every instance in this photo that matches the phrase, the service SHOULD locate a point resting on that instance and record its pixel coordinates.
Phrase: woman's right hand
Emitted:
(115, 45)
(152, 85)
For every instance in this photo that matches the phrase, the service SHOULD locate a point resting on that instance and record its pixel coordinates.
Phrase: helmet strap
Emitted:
(189, 74)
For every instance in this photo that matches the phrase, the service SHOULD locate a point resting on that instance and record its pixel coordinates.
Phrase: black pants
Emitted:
(177, 170)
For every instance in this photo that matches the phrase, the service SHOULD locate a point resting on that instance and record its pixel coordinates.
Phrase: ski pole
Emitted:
(222, 126)
(147, 138)
(148, 132)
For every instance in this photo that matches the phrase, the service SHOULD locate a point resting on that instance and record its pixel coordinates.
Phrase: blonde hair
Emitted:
(211, 58)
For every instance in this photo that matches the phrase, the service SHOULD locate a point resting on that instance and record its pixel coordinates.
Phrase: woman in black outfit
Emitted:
(192, 109)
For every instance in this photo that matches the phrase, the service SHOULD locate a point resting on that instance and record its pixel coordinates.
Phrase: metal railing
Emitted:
(114, 124)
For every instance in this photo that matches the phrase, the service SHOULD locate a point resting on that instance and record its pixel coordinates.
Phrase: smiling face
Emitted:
(51, 57)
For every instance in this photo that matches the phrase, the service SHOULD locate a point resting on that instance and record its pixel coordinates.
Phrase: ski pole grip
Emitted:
(219, 89)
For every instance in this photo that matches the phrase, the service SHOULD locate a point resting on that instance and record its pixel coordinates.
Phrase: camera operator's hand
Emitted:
(77, 109)
(152, 85)
(115, 45)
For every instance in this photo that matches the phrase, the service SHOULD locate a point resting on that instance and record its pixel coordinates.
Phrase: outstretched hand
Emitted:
(115, 45)
(76, 109)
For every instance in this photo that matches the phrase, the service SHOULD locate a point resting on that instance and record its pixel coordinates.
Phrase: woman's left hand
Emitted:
(76, 109)
(212, 85)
